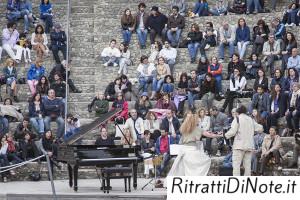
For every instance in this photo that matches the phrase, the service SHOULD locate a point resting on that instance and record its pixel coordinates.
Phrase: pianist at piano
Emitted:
(104, 139)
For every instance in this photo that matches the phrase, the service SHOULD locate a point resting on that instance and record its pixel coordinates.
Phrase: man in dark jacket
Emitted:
(64, 70)
(260, 102)
(156, 23)
(22, 129)
(194, 85)
(293, 112)
(175, 26)
(58, 43)
(58, 86)
(54, 111)
(171, 125)
(104, 139)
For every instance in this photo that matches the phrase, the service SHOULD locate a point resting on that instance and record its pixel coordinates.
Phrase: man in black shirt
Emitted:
(104, 139)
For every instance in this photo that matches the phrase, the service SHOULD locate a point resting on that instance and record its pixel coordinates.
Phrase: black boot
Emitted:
(16, 99)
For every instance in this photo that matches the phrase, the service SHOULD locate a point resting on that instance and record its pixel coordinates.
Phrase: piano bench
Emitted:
(110, 173)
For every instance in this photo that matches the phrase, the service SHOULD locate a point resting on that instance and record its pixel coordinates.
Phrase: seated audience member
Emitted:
(120, 102)
(235, 63)
(271, 52)
(256, 155)
(262, 80)
(58, 86)
(26, 47)
(175, 25)
(36, 114)
(1, 49)
(208, 91)
(220, 8)
(201, 8)
(258, 119)
(111, 54)
(54, 111)
(281, 80)
(142, 105)
(136, 125)
(277, 106)
(28, 147)
(151, 123)
(4, 126)
(171, 125)
(140, 24)
(162, 148)
(289, 43)
(210, 37)
(271, 147)
(238, 7)
(99, 104)
(156, 23)
(124, 61)
(260, 36)
(165, 102)
(215, 69)
(293, 111)
(155, 49)
(292, 78)
(127, 24)
(294, 60)
(194, 39)
(194, 85)
(72, 126)
(181, 4)
(43, 86)
(112, 89)
(64, 69)
(260, 102)
(169, 54)
(204, 120)
(218, 121)
(10, 112)
(279, 29)
(104, 139)
(180, 94)
(10, 74)
(168, 85)
(242, 37)
(237, 84)
(23, 128)
(162, 70)
(3, 158)
(253, 6)
(252, 66)
(10, 36)
(12, 150)
(291, 15)
(128, 139)
(227, 39)
(48, 146)
(146, 75)
(202, 67)
(294, 163)
(58, 42)
(39, 41)
(36, 71)
(148, 148)
(46, 14)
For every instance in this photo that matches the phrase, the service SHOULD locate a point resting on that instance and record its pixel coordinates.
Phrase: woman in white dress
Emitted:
(192, 161)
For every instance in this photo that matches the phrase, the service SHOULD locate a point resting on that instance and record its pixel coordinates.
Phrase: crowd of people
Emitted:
(156, 126)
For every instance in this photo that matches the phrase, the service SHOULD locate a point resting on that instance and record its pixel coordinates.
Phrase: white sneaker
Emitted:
(292, 24)
(279, 168)
(207, 47)
(105, 64)
(197, 15)
(115, 65)
(221, 60)
(218, 153)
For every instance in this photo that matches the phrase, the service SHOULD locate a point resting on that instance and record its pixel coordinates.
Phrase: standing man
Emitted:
(242, 128)
(176, 24)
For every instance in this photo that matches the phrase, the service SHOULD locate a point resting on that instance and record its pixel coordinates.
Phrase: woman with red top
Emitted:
(215, 69)
(120, 102)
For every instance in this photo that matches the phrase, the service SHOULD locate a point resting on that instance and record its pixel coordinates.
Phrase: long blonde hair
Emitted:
(189, 124)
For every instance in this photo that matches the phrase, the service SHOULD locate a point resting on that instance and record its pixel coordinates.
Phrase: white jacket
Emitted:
(168, 53)
(151, 70)
(243, 132)
(111, 52)
(139, 125)
(44, 37)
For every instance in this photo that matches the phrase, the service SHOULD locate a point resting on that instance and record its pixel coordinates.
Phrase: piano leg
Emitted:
(135, 165)
(75, 177)
(70, 171)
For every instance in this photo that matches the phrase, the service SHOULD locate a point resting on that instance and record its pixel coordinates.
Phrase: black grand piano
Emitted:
(75, 154)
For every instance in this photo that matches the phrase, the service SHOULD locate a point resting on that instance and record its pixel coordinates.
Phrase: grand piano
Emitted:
(75, 154)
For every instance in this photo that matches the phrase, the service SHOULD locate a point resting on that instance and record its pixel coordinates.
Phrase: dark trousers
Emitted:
(257, 48)
(272, 119)
(153, 35)
(29, 151)
(181, 107)
(220, 142)
(231, 95)
(55, 51)
(296, 153)
(71, 85)
(290, 118)
(48, 22)
(265, 160)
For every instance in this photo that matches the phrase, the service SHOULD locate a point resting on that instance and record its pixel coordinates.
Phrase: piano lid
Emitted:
(91, 126)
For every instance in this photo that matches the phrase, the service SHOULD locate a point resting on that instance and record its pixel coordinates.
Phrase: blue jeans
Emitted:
(253, 4)
(217, 12)
(159, 84)
(218, 83)
(293, 17)
(110, 60)
(174, 37)
(47, 18)
(242, 47)
(60, 125)
(4, 126)
(126, 36)
(200, 9)
(144, 81)
(166, 159)
(171, 64)
(38, 124)
(27, 18)
(13, 16)
(168, 88)
(222, 49)
(191, 98)
(142, 36)
(193, 49)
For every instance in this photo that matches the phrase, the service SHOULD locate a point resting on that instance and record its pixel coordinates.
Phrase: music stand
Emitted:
(157, 160)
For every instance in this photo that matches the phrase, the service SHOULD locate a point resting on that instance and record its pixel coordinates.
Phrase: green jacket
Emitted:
(101, 107)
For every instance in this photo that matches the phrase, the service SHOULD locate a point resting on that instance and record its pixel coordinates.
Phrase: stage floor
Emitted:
(87, 189)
